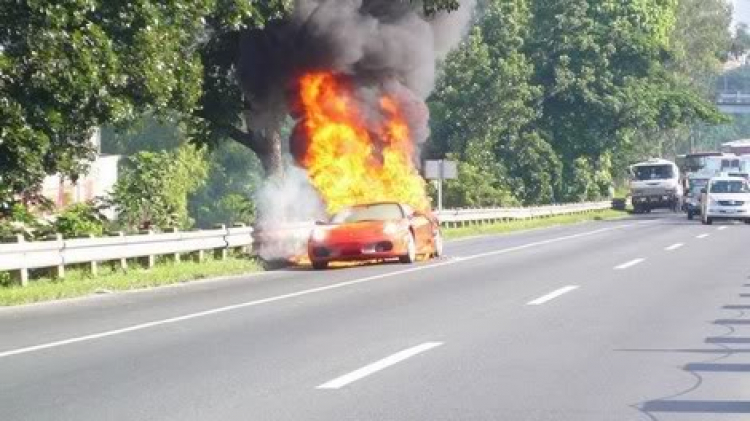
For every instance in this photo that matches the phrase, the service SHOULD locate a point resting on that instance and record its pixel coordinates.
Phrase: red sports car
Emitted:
(375, 231)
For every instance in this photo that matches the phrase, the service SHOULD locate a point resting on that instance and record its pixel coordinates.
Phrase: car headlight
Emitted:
(319, 234)
(391, 229)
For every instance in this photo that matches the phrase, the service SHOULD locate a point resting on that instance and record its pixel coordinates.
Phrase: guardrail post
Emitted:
(177, 256)
(222, 253)
(94, 264)
(150, 259)
(23, 273)
(243, 249)
(124, 260)
(60, 269)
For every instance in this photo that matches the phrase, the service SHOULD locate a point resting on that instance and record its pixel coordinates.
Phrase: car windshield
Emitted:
(378, 212)
(653, 172)
(729, 186)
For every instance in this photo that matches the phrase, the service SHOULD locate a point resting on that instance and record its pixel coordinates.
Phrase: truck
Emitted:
(655, 184)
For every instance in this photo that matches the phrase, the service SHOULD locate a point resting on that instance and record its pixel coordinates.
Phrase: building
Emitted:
(97, 183)
(738, 147)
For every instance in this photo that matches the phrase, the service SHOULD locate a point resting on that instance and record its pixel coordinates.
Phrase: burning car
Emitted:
(384, 230)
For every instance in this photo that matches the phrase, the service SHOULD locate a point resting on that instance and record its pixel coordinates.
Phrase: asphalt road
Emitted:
(639, 319)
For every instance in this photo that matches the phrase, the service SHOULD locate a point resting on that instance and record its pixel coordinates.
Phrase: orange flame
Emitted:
(349, 161)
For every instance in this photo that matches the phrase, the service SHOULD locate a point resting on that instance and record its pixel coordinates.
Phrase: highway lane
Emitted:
(454, 339)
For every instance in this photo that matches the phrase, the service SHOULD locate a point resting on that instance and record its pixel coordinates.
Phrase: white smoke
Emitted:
(288, 206)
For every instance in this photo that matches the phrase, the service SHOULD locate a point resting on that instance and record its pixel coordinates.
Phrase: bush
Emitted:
(19, 220)
(476, 188)
(80, 220)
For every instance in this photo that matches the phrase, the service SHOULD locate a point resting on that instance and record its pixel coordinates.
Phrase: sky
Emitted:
(742, 11)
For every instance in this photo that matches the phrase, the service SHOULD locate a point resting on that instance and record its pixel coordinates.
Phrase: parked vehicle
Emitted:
(655, 184)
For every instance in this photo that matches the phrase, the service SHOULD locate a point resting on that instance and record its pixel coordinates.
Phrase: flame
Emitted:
(351, 160)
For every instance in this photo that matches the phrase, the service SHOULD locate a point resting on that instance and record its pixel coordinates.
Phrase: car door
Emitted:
(421, 226)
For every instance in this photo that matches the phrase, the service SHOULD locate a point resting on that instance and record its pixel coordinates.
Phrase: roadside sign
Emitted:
(440, 170)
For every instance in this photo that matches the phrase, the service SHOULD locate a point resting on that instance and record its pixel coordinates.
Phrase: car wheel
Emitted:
(319, 265)
(747, 221)
(708, 221)
(438, 244)
(411, 251)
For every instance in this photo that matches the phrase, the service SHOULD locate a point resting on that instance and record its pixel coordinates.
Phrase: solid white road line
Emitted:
(702, 236)
(722, 228)
(233, 307)
(552, 295)
(630, 264)
(386, 362)
(674, 247)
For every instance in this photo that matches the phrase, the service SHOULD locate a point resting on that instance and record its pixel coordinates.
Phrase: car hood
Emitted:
(739, 197)
(355, 230)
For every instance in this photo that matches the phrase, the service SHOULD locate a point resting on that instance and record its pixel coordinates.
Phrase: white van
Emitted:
(726, 197)
(655, 184)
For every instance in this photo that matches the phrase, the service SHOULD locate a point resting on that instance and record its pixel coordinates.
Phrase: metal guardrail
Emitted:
(460, 217)
(22, 256)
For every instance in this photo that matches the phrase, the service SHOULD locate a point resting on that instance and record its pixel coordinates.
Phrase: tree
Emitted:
(227, 196)
(740, 41)
(154, 187)
(701, 41)
(484, 108)
(605, 69)
(68, 67)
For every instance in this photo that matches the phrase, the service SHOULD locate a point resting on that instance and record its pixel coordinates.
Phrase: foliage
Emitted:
(701, 41)
(475, 188)
(81, 219)
(484, 111)
(234, 174)
(66, 67)
(740, 41)
(145, 134)
(17, 219)
(153, 188)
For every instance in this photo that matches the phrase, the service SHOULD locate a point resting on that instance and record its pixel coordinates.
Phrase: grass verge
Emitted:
(526, 224)
(79, 282)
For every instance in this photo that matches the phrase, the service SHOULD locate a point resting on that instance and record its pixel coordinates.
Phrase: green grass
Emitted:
(520, 225)
(80, 282)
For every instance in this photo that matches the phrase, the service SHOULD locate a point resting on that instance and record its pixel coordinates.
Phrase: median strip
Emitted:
(370, 369)
(552, 295)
